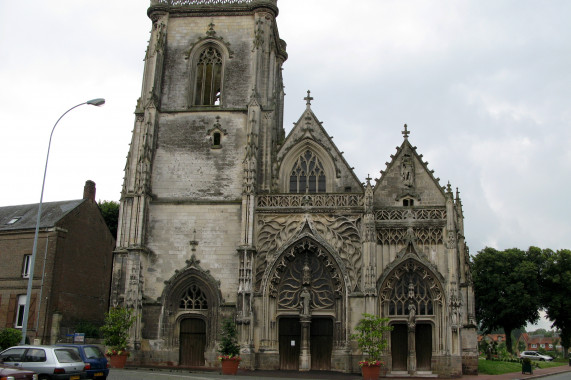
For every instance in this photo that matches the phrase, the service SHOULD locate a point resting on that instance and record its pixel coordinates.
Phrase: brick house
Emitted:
(72, 271)
(535, 342)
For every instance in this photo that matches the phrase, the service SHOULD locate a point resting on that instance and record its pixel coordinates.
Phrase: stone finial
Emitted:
(308, 99)
(406, 132)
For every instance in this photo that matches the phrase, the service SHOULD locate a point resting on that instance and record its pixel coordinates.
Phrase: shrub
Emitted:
(9, 337)
(118, 321)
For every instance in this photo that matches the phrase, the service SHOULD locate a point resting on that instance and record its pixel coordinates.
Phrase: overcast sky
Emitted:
(484, 86)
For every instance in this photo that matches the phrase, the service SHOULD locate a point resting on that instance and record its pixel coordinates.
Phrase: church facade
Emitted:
(224, 216)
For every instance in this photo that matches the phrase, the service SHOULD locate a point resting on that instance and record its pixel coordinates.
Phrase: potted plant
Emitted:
(370, 339)
(118, 321)
(229, 349)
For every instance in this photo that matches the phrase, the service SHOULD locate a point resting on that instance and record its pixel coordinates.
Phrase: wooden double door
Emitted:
(192, 342)
(400, 349)
(320, 343)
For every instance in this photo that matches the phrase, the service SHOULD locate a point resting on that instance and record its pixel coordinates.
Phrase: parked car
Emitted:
(49, 362)
(13, 373)
(534, 355)
(96, 365)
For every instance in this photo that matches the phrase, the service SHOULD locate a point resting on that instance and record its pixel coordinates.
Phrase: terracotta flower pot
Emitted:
(371, 372)
(118, 361)
(230, 366)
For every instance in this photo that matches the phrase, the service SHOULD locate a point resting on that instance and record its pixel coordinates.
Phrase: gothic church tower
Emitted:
(207, 124)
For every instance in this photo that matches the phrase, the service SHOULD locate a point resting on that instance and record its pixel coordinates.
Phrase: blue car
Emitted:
(96, 366)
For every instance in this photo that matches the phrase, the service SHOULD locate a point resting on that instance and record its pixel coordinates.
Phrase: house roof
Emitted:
(52, 212)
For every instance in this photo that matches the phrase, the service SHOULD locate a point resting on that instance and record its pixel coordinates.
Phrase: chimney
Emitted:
(89, 190)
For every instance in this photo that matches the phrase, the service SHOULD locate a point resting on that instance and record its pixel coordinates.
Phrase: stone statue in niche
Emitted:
(407, 170)
(304, 300)
(411, 316)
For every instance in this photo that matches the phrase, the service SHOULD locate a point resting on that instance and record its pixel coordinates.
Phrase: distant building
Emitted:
(72, 271)
(536, 342)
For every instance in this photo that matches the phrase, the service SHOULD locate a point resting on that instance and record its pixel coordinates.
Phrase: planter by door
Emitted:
(117, 361)
(371, 372)
(229, 366)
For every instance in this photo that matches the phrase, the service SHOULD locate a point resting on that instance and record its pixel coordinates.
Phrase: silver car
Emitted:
(49, 362)
(534, 355)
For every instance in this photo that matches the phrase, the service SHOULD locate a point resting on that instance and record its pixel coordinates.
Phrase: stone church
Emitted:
(224, 216)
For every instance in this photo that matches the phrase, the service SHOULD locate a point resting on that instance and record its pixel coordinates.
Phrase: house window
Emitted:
(208, 78)
(534, 346)
(20, 311)
(26, 266)
(14, 220)
(307, 174)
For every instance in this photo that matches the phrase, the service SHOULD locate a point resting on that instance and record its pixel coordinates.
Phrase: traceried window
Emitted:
(193, 299)
(208, 77)
(307, 174)
(410, 290)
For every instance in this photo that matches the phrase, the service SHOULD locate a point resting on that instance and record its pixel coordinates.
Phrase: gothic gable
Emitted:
(308, 141)
(407, 181)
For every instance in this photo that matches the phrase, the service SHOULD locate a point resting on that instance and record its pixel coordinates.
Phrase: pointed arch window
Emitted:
(208, 77)
(193, 299)
(411, 289)
(307, 174)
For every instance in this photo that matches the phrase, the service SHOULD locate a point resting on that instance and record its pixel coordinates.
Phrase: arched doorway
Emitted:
(308, 301)
(411, 297)
(190, 314)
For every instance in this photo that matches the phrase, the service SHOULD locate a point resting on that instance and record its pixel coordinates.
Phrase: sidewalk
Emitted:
(332, 375)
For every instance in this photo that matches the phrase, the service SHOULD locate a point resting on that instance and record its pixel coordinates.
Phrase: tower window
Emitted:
(307, 174)
(408, 202)
(216, 139)
(208, 78)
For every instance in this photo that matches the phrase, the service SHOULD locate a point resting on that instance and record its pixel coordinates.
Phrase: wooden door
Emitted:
(423, 343)
(399, 347)
(321, 344)
(192, 342)
(290, 342)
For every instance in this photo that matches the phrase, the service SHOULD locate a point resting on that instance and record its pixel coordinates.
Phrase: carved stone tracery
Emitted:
(341, 233)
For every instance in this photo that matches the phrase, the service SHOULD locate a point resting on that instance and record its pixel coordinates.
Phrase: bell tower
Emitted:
(207, 127)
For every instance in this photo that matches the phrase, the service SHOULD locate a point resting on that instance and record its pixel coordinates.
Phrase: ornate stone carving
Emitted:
(418, 214)
(411, 282)
(422, 236)
(342, 233)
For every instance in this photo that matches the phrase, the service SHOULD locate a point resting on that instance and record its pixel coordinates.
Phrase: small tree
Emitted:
(9, 337)
(370, 337)
(229, 347)
(118, 321)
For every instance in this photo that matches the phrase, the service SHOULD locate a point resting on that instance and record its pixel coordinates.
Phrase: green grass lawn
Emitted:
(492, 367)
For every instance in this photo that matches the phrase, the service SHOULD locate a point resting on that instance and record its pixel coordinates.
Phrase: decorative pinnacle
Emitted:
(406, 132)
(308, 99)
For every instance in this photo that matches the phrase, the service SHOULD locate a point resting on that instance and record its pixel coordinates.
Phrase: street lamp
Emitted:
(93, 102)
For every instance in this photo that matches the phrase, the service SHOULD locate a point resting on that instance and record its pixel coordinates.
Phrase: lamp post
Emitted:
(92, 102)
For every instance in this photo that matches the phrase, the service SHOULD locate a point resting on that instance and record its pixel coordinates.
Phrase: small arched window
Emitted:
(307, 174)
(208, 77)
(193, 299)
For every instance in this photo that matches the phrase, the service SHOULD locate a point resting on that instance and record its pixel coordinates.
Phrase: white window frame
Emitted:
(26, 266)
(18, 323)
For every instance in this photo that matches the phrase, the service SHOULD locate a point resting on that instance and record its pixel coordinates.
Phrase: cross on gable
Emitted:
(406, 132)
(308, 99)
